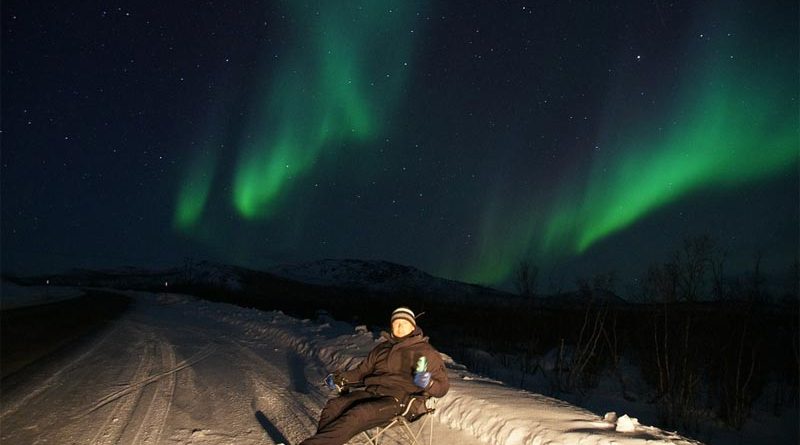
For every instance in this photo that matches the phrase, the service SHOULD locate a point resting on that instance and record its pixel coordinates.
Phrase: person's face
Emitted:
(401, 328)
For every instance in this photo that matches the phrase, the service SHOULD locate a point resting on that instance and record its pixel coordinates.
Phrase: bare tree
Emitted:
(676, 354)
(575, 368)
(556, 285)
(692, 262)
(756, 291)
(604, 281)
(661, 283)
(793, 286)
(795, 276)
(717, 264)
(525, 278)
(677, 358)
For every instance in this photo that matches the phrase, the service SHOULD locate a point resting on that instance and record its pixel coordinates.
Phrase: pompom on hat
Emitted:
(404, 313)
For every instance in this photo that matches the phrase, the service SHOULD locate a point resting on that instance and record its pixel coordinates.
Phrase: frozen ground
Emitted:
(177, 370)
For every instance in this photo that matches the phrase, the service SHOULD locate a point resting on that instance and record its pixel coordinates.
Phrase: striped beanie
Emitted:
(405, 314)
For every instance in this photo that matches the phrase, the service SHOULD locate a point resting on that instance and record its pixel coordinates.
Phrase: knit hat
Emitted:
(405, 314)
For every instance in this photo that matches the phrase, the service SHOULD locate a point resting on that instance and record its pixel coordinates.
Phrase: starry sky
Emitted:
(457, 137)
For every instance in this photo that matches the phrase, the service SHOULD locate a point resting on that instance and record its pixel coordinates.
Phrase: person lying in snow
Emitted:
(403, 369)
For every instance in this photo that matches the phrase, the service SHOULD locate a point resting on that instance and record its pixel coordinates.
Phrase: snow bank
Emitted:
(486, 409)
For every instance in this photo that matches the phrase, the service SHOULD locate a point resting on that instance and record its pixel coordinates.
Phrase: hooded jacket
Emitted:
(389, 368)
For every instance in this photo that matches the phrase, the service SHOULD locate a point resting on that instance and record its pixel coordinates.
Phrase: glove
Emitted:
(422, 379)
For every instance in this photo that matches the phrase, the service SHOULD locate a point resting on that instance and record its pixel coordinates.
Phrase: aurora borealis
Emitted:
(336, 86)
(734, 127)
(455, 137)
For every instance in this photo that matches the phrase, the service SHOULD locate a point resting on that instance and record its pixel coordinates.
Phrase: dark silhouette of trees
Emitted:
(691, 264)
(525, 278)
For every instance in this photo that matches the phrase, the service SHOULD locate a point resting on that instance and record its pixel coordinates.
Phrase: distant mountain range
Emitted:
(367, 278)
(379, 277)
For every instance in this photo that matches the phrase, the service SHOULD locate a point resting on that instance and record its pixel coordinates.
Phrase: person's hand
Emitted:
(422, 379)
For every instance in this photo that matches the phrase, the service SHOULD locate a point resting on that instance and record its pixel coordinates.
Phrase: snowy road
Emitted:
(178, 370)
(174, 370)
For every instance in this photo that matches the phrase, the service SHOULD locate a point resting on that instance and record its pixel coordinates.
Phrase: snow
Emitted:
(203, 272)
(627, 424)
(14, 296)
(178, 370)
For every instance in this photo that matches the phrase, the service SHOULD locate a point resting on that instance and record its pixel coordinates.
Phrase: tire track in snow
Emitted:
(55, 377)
(111, 430)
(257, 375)
(282, 406)
(309, 404)
(292, 413)
(202, 355)
(155, 417)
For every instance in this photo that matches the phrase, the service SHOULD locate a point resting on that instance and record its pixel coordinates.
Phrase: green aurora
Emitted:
(735, 123)
(339, 85)
(194, 191)
(732, 122)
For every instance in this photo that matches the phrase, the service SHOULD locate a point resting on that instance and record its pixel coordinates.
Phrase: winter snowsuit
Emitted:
(387, 373)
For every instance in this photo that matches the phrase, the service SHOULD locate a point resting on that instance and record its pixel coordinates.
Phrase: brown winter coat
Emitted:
(389, 368)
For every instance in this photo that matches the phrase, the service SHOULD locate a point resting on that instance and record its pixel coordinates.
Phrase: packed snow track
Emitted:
(177, 370)
(170, 371)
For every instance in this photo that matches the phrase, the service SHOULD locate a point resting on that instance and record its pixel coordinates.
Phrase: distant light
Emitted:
(48, 281)
(166, 283)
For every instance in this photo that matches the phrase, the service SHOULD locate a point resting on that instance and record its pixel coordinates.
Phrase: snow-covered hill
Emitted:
(177, 370)
(379, 277)
(369, 278)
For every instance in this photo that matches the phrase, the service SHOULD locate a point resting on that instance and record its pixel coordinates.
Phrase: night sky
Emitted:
(457, 137)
